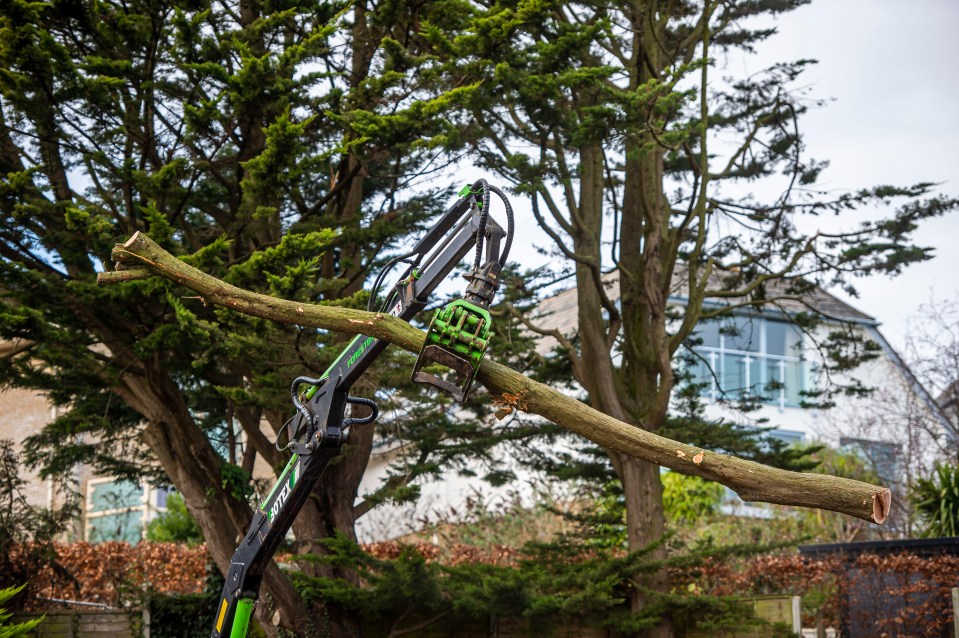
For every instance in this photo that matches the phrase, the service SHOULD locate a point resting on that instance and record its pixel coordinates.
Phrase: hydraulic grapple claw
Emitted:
(457, 339)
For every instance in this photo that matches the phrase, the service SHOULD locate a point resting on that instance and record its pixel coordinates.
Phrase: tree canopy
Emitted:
(652, 174)
(274, 144)
(287, 148)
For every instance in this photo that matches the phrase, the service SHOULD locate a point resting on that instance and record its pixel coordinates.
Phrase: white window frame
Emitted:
(89, 515)
(717, 363)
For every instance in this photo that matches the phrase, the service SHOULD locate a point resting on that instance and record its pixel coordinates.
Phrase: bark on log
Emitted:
(142, 257)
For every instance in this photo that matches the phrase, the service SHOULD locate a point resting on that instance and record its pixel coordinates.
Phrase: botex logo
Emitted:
(356, 355)
(278, 503)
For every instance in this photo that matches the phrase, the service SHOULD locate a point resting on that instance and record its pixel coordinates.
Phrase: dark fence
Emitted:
(897, 589)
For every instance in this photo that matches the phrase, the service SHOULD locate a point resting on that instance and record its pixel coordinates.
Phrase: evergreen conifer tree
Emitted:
(609, 116)
(279, 146)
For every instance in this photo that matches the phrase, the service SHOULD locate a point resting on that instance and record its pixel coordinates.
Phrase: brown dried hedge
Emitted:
(900, 594)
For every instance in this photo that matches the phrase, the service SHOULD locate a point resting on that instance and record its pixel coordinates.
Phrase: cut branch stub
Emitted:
(750, 480)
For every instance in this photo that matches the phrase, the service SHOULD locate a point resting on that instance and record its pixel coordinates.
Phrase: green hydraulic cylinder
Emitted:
(241, 621)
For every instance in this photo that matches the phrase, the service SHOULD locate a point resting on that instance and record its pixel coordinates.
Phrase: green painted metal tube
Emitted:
(241, 620)
(279, 481)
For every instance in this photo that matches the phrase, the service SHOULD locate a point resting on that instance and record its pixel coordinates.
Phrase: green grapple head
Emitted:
(457, 339)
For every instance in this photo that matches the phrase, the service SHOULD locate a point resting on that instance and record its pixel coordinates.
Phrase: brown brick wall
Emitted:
(22, 413)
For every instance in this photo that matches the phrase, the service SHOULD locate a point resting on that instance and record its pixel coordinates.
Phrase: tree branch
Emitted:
(750, 480)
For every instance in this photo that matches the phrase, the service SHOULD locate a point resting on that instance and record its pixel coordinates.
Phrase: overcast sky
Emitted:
(892, 69)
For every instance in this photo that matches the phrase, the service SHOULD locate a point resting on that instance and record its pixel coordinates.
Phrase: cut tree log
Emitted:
(141, 257)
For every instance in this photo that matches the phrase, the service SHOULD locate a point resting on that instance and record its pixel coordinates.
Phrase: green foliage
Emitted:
(235, 141)
(175, 524)
(687, 499)
(27, 533)
(936, 499)
(189, 615)
(236, 481)
(603, 523)
(622, 170)
(411, 584)
(182, 615)
(549, 586)
(10, 630)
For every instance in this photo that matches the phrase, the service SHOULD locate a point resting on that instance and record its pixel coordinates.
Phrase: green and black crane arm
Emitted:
(457, 339)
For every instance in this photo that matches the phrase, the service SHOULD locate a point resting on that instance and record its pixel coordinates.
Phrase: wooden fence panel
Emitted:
(85, 624)
(128, 624)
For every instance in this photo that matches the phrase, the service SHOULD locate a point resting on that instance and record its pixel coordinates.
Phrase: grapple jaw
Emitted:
(465, 373)
(457, 340)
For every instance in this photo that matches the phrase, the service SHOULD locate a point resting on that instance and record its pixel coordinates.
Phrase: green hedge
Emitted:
(182, 615)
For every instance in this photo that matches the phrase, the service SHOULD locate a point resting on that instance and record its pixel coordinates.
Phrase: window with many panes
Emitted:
(119, 510)
(114, 511)
(750, 356)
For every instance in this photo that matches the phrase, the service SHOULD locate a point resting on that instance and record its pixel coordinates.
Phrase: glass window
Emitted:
(701, 374)
(783, 339)
(115, 495)
(115, 511)
(775, 373)
(882, 456)
(734, 373)
(751, 356)
(708, 333)
(161, 495)
(793, 383)
(123, 526)
(742, 333)
(776, 337)
(756, 385)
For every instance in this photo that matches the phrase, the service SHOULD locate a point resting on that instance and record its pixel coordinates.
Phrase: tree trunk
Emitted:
(194, 469)
(645, 525)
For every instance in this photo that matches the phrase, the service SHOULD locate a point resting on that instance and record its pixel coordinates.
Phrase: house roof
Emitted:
(949, 396)
(560, 311)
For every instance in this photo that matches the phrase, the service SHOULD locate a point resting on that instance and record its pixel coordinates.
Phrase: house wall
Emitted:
(24, 413)
(815, 424)
(887, 416)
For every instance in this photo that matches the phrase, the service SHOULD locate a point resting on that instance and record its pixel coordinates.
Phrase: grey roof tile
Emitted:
(560, 310)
